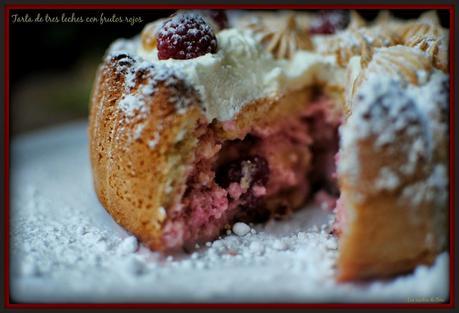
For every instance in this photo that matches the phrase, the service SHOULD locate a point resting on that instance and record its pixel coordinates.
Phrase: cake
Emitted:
(208, 118)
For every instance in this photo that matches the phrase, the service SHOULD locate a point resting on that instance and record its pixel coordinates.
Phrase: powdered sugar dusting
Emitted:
(153, 142)
(387, 180)
(128, 245)
(138, 131)
(435, 187)
(66, 248)
(142, 78)
(130, 104)
(432, 99)
(386, 113)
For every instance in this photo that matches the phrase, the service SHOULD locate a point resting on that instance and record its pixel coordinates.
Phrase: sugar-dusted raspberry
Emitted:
(330, 21)
(185, 36)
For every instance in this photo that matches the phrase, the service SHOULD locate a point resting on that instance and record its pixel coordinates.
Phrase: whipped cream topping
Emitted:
(241, 71)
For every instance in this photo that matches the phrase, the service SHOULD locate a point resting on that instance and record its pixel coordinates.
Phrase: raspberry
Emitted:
(185, 36)
(232, 172)
(329, 22)
(259, 170)
(250, 202)
(219, 17)
(229, 173)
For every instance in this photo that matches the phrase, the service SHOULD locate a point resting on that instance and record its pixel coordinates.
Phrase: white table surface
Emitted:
(66, 248)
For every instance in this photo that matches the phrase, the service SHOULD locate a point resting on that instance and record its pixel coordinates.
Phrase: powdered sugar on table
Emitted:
(65, 247)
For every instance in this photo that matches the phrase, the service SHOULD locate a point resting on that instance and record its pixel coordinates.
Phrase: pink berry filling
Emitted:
(270, 172)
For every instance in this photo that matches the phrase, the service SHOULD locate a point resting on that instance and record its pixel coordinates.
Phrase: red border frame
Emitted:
(451, 302)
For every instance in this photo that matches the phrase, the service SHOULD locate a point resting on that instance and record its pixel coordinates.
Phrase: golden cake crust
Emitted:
(130, 177)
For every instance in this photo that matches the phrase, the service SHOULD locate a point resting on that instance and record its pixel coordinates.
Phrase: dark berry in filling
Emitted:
(219, 17)
(330, 21)
(254, 168)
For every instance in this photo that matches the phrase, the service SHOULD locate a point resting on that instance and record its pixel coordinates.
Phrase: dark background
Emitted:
(52, 66)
